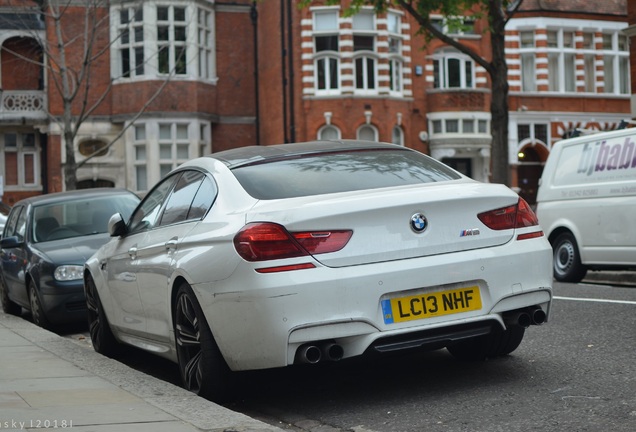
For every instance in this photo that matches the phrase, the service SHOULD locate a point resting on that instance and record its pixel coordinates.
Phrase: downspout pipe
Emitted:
(283, 68)
(290, 59)
(254, 18)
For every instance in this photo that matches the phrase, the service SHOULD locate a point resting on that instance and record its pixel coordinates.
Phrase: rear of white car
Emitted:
(324, 277)
(389, 287)
(314, 252)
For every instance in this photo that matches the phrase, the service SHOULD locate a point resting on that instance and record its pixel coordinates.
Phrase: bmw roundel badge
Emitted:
(418, 222)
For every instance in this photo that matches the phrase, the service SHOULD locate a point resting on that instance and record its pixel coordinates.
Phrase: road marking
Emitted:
(595, 300)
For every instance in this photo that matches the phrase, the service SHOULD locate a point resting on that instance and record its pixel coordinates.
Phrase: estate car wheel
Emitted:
(102, 337)
(496, 344)
(8, 306)
(203, 369)
(37, 312)
(567, 260)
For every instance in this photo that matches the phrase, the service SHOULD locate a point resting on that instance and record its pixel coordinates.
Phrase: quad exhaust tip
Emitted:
(525, 317)
(313, 353)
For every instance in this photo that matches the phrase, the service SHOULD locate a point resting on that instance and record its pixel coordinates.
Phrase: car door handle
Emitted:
(132, 252)
(172, 243)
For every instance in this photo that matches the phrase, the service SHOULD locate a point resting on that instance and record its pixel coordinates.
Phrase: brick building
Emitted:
(267, 72)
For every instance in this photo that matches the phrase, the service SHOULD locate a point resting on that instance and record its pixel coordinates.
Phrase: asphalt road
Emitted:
(575, 373)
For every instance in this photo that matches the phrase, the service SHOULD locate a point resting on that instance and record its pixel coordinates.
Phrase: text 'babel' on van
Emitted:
(586, 203)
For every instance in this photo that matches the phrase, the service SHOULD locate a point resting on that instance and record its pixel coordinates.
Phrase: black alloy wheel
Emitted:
(37, 312)
(102, 337)
(203, 369)
(8, 306)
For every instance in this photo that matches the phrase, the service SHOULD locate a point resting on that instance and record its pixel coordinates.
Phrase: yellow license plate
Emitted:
(431, 304)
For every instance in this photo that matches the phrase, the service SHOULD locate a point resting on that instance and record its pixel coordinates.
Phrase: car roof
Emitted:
(259, 154)
(57, 197)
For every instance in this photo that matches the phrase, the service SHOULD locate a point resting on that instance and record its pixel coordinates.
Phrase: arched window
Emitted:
(367, 133)
(452, 69)
(397, 136)
(329, 132)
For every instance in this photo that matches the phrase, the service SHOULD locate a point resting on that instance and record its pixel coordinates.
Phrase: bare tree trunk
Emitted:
(500, 169)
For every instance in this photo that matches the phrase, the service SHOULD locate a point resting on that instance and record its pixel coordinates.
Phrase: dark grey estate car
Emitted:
(44, 245)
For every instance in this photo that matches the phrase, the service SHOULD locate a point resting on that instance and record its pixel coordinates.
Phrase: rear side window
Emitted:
(340, 172)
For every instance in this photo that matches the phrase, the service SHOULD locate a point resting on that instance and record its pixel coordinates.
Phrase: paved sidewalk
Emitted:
(47, 381)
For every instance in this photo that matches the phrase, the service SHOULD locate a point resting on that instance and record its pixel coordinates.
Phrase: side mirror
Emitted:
(11, 242)
(116, 225)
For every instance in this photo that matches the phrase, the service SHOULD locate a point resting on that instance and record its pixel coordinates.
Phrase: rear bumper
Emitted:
(263, 324)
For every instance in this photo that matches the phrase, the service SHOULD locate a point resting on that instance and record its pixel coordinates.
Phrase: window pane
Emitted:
(588, 41)
(165, 132)
(183, 151)
(541, 132)
(326, 21)
(452, 126)
(179, 14)
(165, 151)
(370, 73)
(366, 133)
(28, 140)
(11, 168)
(179, 201)
(182, 131)
(29, 168)
(326, 43)
(142, 180)
(333, 74)
(328, 133)
(523, 132)
(454, 74)
(553, 39)
(468, 126)
(437, 126)
(482, 126)
(140, 133)
(363, 21)
(393, 23)
(140, 153)
(203, 200)
(162, 13)
(10, 140)
(363, 43)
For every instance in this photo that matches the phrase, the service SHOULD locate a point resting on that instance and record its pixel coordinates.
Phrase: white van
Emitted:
(586, 203)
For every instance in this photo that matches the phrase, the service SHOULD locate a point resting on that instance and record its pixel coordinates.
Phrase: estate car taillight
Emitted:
(519, 215)
(263, 241)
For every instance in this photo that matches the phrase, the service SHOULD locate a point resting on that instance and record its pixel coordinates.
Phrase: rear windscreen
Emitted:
(340, 172)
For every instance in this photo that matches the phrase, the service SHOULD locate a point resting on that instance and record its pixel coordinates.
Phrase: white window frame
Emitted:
(367, 59)
(132, 46)
(562, 62)
(22, 153)
(397, 135)
(616, 70)
(441, 59)
(151, 142)
(367, 127)
(527, 54)
(326, 128)
(199, 44)
(205, 43)
(326, 57)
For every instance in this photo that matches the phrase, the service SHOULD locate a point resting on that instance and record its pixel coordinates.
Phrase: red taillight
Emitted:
(515, 216)
(268, 241)
(323, 241)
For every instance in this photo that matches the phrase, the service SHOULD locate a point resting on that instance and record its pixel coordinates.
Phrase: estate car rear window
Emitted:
(307, 175)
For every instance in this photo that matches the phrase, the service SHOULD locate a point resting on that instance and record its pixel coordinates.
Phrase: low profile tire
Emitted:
(203, 369)
(8, 306)
(496, 344)
(37, 312)
(102, 337)
(566, 260)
